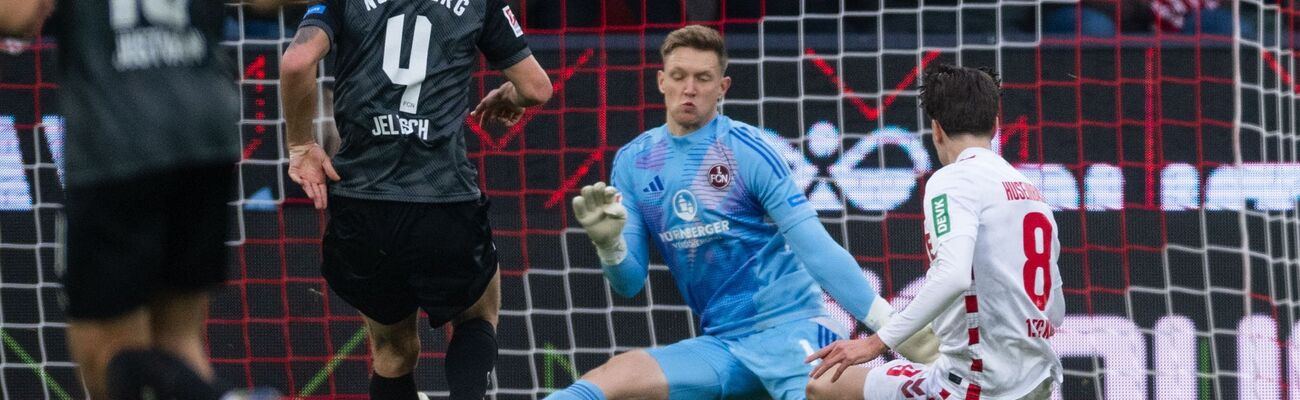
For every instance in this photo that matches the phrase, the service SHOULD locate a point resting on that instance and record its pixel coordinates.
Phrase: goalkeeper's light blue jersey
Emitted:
(715, 203)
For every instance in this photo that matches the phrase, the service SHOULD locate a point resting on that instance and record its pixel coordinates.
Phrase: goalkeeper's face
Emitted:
(692, 84)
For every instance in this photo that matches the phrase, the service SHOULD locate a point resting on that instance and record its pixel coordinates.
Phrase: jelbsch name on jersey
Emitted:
(395, 125)
(456, 6)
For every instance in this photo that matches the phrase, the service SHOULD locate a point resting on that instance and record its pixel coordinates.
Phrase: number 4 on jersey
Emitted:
(413, 75)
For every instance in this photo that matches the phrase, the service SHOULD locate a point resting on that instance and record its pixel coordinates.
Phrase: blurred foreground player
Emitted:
(993, 290)
(408, 226)
(151, 151)
(744, 246)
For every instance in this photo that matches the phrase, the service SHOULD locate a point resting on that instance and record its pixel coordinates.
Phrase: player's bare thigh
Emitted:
(631, 375)
(488, 306)
(176, 320)
(395, 348)
(94, 343)
(848, 387)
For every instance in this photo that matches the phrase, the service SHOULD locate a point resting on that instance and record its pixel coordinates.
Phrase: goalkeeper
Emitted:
(740, 238)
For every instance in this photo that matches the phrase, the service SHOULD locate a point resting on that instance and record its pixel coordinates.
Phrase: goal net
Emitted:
(1169, 157)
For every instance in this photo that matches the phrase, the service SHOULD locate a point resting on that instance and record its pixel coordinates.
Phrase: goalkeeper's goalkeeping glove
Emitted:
(600, 211)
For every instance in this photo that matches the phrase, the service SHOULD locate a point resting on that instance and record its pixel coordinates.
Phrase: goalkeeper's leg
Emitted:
(702, 367)
(848, 387)
(634, 374)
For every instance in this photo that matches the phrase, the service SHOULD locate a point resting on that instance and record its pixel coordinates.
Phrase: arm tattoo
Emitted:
(304, 35)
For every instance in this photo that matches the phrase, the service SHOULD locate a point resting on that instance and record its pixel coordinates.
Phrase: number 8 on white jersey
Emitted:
(996, 335)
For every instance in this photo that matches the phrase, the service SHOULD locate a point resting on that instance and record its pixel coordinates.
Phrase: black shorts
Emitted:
(129, 239)
(389, 258)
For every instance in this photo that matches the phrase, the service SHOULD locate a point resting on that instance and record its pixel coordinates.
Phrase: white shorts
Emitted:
(905, 380)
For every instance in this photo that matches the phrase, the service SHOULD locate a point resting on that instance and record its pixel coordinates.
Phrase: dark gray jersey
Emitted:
(402, 75)
(144, 87)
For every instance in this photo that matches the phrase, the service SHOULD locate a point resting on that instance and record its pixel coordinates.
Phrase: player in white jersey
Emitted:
(993, 290)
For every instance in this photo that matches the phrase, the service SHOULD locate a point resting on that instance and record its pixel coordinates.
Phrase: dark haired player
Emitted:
(408, 226)
(993, 290)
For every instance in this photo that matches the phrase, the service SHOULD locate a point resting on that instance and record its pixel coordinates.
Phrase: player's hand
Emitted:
(309, 166)
(600, 211)
(843, 353)
(922, 347)
(497, 107)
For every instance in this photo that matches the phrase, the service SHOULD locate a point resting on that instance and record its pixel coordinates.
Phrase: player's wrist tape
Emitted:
(298, 150)
(612, 254)
(879, 314)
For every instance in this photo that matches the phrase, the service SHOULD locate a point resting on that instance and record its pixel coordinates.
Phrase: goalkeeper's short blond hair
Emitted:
(697, 37)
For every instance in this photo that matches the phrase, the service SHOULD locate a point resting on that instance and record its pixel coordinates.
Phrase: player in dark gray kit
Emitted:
(408, 225)
(151, 150)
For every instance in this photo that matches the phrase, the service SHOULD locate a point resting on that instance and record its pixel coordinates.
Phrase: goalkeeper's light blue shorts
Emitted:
(765, 363)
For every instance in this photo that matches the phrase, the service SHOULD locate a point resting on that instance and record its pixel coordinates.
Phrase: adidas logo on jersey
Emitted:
(656, 185)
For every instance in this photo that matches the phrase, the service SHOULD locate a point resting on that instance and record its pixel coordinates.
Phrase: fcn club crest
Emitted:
(719, 176)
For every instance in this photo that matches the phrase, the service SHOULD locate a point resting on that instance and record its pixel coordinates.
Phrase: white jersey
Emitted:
(993, 290)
